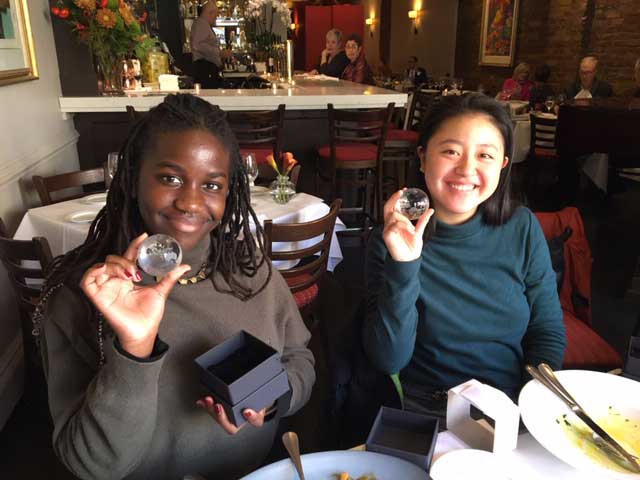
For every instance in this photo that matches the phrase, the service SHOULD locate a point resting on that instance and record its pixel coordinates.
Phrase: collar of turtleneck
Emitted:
(466, 229)
(197, 257)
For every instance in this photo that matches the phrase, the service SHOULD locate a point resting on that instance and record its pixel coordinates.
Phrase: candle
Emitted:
(289, 61)
(196, 87)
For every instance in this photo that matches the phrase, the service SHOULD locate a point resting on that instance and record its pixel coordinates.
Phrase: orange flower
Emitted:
(89, 5)
(127, 14)
(289, 161)
(106, 18)
(272, 163)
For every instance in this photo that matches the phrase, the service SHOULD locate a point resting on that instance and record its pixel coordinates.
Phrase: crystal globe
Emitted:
(159, 254)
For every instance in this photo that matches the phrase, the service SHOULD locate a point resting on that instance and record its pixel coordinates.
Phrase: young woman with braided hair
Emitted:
(125, 404)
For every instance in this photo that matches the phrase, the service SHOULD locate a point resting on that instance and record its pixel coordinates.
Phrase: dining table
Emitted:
(65, 224)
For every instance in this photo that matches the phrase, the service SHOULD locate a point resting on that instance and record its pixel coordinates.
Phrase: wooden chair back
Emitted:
(312, 259)
(543, 135)
(26, 280)
(258, 128)
(45, 186)
(421, 103)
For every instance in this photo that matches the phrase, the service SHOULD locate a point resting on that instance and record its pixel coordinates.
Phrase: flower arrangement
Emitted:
(260, 32)
(110, 28)
(282, 189)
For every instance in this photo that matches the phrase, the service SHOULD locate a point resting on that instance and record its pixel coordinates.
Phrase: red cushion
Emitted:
(399, 135)
(586, 349)
(351, 152)
(260, 152)
(306, 296)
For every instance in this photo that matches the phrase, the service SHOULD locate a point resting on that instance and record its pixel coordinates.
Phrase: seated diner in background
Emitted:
(541, 89)
(358, 70)
(123, 402)
(518, 87)
(588, 85)
(414, 73)
(333, 59)
(476, 297)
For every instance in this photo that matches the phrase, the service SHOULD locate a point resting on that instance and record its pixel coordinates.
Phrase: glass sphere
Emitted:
(159, 254)
(412, 203)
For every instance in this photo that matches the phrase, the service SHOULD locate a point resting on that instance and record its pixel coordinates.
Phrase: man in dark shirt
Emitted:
(588, 85)
(416, 74)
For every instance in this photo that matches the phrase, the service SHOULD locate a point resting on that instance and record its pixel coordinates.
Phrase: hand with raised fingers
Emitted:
(402, 238)
(134, 312)
(220, 416)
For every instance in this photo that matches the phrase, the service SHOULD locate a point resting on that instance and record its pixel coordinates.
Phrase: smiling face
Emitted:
(352, 49)
(462, 163)
(183, 185)
(332, 45)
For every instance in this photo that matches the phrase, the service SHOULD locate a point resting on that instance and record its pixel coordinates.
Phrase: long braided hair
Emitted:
(235, 250)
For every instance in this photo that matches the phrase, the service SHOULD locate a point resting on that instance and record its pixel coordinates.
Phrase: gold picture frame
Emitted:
(17, 52)
(498, 32)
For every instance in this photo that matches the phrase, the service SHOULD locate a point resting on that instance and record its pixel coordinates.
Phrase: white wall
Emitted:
(34, 138)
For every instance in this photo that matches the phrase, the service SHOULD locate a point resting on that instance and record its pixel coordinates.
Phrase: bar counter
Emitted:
(304, 95)
(103, 124)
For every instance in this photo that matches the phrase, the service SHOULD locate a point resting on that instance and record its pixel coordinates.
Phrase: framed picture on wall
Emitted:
(498, 32)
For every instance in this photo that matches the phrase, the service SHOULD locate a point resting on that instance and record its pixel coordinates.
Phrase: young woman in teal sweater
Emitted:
(478, 298)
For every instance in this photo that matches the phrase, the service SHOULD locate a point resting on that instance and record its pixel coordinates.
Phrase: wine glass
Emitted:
(251, 167)
(549, 103)
(112, 167)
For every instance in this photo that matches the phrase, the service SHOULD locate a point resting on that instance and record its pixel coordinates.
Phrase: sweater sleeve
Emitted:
(104, 417)
(544, 340)
(390, 327)
(335, 66)
(296, 358)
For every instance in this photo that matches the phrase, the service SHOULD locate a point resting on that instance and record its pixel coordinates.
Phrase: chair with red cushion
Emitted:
(352, 160)
(259, 132)
(585, 348)
(310, 251)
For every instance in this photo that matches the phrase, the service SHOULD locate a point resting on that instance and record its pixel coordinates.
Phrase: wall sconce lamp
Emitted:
(414, 16)
(371, 22)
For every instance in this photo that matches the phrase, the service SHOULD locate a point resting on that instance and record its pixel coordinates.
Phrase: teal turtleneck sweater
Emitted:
(480, 302)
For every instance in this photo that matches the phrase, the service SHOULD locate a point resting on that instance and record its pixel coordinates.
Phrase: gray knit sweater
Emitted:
(138, 419)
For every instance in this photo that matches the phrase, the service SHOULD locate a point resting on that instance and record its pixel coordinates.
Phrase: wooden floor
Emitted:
(613, 229)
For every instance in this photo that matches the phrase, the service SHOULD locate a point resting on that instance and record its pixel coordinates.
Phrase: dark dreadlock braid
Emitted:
(235, 251)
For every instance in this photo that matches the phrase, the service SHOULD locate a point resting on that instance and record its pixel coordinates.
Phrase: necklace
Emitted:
(201, 275)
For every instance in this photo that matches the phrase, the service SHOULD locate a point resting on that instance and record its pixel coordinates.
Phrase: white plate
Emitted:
(595, 392)
(469, 464)
(324, 466)
(81, 217)
(96, 199)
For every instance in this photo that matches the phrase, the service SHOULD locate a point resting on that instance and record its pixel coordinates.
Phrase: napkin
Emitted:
(583, 94)
(168, 83)
(494, 404)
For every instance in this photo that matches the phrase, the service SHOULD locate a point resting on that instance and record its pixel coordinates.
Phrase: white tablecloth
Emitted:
(529, 461)
(50, 221)
(521, 140)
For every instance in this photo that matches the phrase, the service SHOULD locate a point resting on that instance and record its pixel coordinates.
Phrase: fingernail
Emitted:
(99, 265)
(138, 277)
(219, 409)
(248, 414)
(128, 274)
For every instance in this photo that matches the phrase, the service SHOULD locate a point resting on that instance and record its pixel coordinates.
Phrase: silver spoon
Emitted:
(290, 440)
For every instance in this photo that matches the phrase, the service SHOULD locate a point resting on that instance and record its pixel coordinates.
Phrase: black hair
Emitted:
(499, 207)
(235, 251)
(354, 37)
(414, 58)
(542, 73)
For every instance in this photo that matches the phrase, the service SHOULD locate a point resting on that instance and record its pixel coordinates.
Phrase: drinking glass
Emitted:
(549, 103)
(112, 167)
(251, 167)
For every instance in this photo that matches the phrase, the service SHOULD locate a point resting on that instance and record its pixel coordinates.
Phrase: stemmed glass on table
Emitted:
(112, 167)
(251, 167)
(549, 103)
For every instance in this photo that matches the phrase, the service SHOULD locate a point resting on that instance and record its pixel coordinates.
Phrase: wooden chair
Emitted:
(259, 132)
(45, 186)
(543, 157)
(353, 158)
(312, 260)
(26, 280)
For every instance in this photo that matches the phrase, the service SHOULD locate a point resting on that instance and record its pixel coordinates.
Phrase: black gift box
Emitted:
(407, 435)
(243, 372)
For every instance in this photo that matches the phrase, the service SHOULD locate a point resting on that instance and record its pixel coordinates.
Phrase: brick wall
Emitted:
(553, 32)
